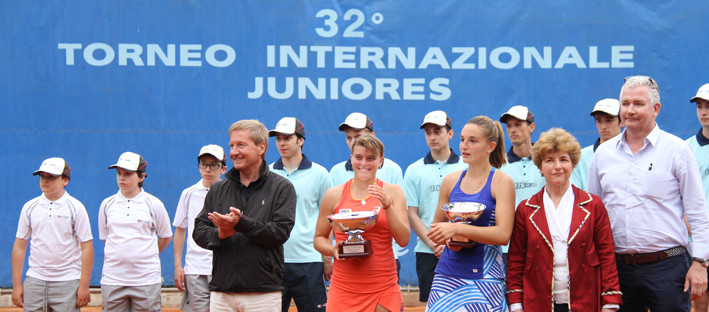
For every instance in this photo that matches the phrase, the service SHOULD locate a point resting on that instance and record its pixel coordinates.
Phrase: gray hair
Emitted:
(257, 131)
(637, 81)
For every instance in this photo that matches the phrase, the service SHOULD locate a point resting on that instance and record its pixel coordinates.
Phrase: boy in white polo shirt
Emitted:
(62, 252)
(194, 278)
(136, 228)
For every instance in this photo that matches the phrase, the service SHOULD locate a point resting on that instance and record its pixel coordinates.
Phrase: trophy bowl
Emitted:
(354, 224)
(462, 212)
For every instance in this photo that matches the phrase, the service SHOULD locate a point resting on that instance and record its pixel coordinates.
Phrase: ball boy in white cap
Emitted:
(194, 278)
(354, 126)
(605, 113)
(303, 277)
(136, 228)
(700, 146)
(61, 253)
(422, 183)
(519, 122)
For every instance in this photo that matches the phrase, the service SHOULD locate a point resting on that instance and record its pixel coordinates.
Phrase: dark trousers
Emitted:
(425, 270)
(561, 307)
(657, 286)
(303, 282)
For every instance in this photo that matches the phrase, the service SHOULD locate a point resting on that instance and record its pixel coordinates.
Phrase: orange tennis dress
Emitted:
(360, 283)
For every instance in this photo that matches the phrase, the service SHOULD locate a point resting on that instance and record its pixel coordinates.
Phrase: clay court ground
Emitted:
(171, 298)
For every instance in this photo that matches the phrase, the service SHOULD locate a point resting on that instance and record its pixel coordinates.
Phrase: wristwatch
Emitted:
(703, 262)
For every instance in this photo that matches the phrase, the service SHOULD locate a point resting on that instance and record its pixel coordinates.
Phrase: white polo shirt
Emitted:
(55, 229)
(131, 228)
(198, 261)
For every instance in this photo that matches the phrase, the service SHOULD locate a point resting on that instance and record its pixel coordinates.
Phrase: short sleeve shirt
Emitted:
(131, 227)
(198, 261)
(311, 181)
(55, 229)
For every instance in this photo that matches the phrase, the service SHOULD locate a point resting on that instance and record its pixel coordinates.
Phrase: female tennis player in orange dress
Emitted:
(365, 283)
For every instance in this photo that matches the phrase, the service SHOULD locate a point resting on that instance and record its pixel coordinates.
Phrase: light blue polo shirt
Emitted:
(311, 181)
(422, 184)
(700, 146)
(526, 176)
(580, 173)
(389, 172)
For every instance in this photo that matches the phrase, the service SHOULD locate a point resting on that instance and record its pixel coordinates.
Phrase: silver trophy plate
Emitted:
(351, 221)
(463, 211)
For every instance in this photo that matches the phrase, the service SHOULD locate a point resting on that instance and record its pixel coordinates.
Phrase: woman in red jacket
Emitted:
(561, 255)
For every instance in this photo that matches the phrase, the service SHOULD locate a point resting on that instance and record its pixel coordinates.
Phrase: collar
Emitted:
(138, 198)
(305, 163)
(596, 144)
(235, 176)
(200, 185)
(60, 200)
(701, 139)
(348, 164)
(651, 138)
(452, 159)
(581, 198)
(512, 157)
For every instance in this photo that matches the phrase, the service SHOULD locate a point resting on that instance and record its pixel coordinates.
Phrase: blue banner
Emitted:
(88, 80)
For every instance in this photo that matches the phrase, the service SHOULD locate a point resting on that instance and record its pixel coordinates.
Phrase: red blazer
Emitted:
(593, 276)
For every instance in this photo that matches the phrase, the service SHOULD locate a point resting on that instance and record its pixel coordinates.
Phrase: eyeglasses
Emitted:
(213, 166)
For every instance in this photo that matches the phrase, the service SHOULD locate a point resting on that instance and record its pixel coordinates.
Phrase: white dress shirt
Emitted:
(559, 221)
(648, 194)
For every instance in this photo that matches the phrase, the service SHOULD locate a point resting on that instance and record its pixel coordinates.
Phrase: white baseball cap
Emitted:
(288, 126)
(357, 121)
(130, 161)
(438, 118)
(702, 93)
(518, 111)
(608, 106)
(55, 166)
(214, 150)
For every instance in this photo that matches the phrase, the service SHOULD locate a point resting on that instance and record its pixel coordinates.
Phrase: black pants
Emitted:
(657, 286)
(561, 307)
(303, 282)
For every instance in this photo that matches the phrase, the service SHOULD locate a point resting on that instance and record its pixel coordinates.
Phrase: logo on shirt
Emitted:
(345, 210)
(523, 185)
(435, 188)
(144, 221)
(706, 172)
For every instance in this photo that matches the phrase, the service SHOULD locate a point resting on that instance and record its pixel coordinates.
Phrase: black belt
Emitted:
(642, 258)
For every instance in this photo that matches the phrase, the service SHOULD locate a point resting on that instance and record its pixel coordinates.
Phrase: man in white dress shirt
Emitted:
(649, 181)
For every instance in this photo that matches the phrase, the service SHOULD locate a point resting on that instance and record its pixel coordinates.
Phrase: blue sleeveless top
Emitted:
(480, 261)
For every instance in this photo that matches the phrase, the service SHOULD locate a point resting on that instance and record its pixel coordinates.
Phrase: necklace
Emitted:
(477, 188)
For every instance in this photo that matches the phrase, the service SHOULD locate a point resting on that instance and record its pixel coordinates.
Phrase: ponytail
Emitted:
(493, 132)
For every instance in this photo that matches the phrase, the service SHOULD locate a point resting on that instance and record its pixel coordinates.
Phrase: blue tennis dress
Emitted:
(472, 279)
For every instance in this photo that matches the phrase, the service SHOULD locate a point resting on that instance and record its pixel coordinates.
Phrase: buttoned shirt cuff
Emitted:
(698, 249)
(516, 306)
(611, 306)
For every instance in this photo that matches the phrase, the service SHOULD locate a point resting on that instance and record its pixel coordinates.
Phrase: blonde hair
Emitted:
(371, 143)
(257, 131)
(556, 140)
(493, 133)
